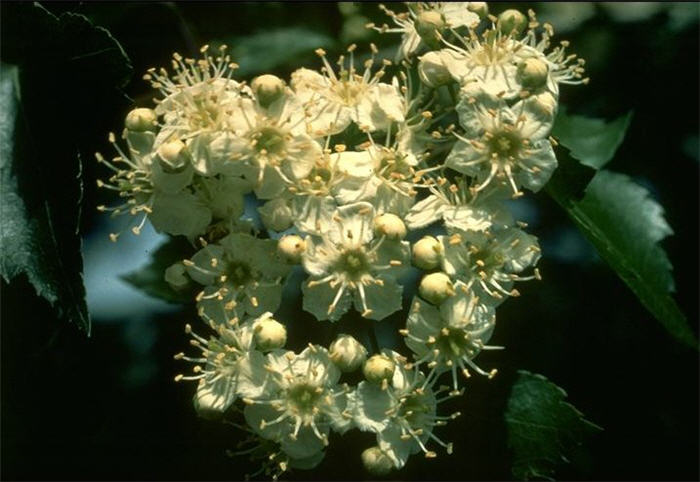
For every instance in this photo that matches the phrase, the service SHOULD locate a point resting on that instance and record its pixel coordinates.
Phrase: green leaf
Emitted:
(543, 429)
(282, 47)
(591, 141)
(66, 74)
(616, 215)
(625, 225)
(150, 277)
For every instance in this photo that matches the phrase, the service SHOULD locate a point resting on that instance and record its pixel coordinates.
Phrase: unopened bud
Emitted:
(347, 353)
(389, 225)
(479, 8)
(267, 88)
(376, 461)
(290, 248)
(432, 70)
(173, 156)
(532, 73)
(378, 368)
(436, 288)
(269, 333)
(543, 104)
(176, 276)
(141, 120)
(276, 214)
(427, 253)
(511, 21)
(429, 25)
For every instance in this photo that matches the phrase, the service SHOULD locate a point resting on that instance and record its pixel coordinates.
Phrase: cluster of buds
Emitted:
(360, 176)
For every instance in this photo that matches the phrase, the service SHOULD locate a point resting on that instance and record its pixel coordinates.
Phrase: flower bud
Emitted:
(378, 368)
(390, 225)
(347, 353)
(290, 248)
(269, 333)
(276, 214)
(173, 156)
(141, 120)
(267, 88)
(543, 104)
(512, 21)
(432, 70)
(429, 24)
(479, 8)
(175, 276)
(427, 253)
(376, 461)
(436, 288)
(532, 73)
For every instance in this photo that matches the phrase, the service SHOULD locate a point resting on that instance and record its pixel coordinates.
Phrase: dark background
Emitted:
(106, 407)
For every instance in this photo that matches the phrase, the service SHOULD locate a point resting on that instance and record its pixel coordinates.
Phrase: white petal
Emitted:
(425, 212)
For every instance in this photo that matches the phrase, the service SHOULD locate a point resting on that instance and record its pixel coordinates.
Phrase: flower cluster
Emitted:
(360, 176)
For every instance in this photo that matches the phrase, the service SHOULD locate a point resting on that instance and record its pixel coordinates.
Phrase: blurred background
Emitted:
(106, 407)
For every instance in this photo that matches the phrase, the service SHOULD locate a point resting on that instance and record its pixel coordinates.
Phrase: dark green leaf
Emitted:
(150, 278)
(591, 141)
(543, 429)
(625, 225)
(68, 73)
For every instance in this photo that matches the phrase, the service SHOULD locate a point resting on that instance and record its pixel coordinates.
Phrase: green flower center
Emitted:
(488, 260)
(354, 263)
(505, 144)
(453, 344)
(303, 397)
(270, 139)
(240, 274)
(414, 408)
(348, 89)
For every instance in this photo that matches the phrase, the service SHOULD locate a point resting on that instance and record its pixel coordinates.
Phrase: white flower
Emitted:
(348, 263)
(199, 97)
(301, 402)
(502, 142)
(450, 336)
(461, 207)
(385, 177)
(156, 185)
(492, 60)
(273, 145)
(333, 100)
(241, 273)
(229, 367)
(312, 199)
(489, 265)
(402, 413)
(439, 16)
